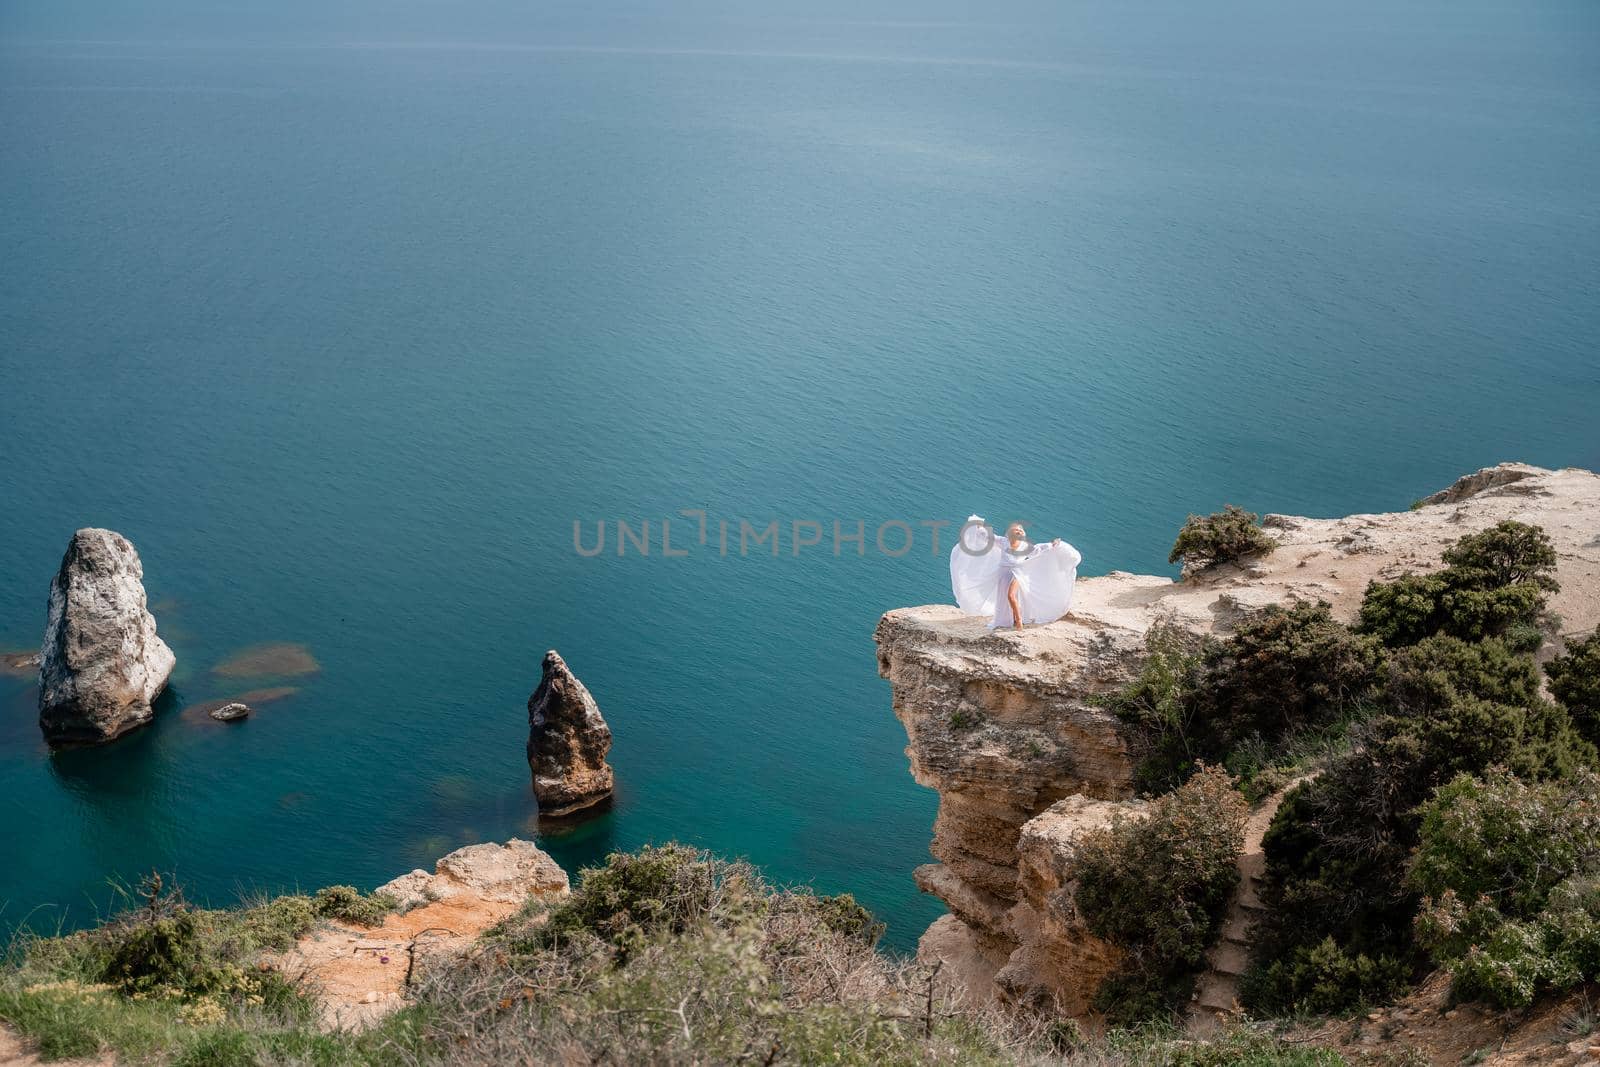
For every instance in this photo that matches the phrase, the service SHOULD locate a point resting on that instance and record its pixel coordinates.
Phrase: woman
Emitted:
(1015, 583)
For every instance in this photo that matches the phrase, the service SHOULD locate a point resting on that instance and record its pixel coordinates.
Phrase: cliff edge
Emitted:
(1004, 725)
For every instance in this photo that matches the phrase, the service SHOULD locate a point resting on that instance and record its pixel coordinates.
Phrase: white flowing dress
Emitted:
(982, 567)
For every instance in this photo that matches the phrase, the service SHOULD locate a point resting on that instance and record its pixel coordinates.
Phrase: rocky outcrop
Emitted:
(1057, 961)
(1005, 725)
(102, 663)
(567, 742)
(230, 712)
(501, 874)
(363, 973)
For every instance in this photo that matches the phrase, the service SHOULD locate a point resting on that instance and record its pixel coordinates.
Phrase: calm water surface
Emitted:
(345, 312)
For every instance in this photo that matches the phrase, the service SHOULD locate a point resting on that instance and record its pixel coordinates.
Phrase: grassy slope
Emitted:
(665, 956)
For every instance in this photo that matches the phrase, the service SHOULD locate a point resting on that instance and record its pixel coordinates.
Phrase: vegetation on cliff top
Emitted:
(1494, 584)
(1424, 720)
(1458, 699)
(665, 956)
(1226, 536)
(1281, 680)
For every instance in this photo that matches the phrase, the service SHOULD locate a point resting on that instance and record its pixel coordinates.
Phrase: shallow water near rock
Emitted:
(345, 313)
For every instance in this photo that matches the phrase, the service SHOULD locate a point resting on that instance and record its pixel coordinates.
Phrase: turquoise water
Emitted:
(345, 312)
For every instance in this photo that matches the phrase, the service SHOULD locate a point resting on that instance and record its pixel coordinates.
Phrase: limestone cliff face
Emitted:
(102, 663)
(1004, 725)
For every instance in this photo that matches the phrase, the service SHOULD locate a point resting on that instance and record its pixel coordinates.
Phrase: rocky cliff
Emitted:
(102, 663)
(1005, 726)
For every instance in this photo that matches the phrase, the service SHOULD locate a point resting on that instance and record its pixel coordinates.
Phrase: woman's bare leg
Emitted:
(1012, 591)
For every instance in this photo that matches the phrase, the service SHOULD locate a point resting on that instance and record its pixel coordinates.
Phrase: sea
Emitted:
(365, 320)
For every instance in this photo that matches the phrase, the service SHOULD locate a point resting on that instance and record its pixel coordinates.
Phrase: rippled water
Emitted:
(345, 312)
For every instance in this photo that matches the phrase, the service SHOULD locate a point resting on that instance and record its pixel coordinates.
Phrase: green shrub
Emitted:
(840, 914)
(350, 905)
(1404, 611)
(158, 954)
(1157, 888)
(1158, 705)
(669, 888)
(1223, 537)
(1461, 708)
(274, 924)
(1336, 844)
(1281, 672)
(1438, 671)
(1508, 553)
(1281, 676)
(1323, 979)
(1506, 840)
(1575, 682)
(1331, 863)
(1494, 584)
(1506, 871)
(1510, 967)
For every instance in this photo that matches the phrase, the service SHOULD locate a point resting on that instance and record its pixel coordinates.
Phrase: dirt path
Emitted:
(1216, 993)
(1427, 1026)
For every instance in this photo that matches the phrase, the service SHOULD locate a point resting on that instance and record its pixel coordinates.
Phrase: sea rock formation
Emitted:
(230, 712)
(567, 742)
(1005, 725)
(102, 663)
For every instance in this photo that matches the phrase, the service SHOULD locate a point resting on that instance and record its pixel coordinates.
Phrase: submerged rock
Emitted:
(567, 742)
(230, 712)
(19, 664)
(272, 659)
(202, 712)
(102, 663)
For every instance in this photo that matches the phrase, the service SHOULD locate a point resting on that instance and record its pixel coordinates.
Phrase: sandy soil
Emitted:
(362, 973)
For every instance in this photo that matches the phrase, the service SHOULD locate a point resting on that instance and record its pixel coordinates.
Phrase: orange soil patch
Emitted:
(362, 973)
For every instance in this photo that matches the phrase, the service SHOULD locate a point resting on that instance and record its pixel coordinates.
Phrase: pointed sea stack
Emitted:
(102, 663)
(567, 742)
